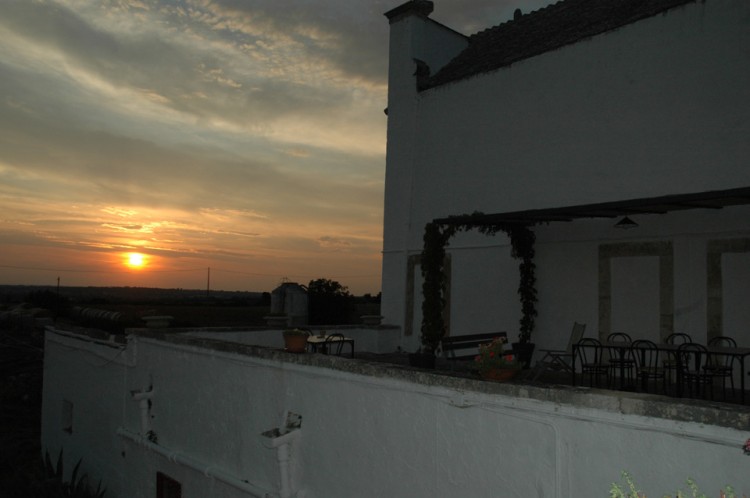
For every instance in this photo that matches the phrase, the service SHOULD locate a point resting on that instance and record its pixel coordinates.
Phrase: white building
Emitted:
(642, 106)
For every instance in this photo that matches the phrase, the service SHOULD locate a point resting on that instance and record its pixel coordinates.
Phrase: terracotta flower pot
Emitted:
(500, 374)
(295, 343)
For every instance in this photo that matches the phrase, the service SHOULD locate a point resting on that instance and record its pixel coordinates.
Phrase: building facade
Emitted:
(642, 104)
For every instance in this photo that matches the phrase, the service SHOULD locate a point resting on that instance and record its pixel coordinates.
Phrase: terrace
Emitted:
(377, 345)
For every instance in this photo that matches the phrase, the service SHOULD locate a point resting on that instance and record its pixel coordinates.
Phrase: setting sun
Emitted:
(135, 260)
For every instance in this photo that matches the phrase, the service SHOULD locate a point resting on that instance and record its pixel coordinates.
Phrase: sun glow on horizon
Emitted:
(135, 260)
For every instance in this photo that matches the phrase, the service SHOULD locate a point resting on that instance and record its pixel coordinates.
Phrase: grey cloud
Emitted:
(124, 170)
(358, 26)
(178, 73)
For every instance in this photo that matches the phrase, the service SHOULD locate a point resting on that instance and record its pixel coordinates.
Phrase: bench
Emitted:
(451, 344)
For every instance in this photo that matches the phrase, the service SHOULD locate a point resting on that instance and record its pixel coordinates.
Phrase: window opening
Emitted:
(166, 487)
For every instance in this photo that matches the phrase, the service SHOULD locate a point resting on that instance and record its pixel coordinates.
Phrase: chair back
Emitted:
(617, 354)
(646, 354)
(722, 341)
(335, 343)
(575, 335)
(678, 338)
(618, 337)
(693, 356)
(721, 360)
(589, 351)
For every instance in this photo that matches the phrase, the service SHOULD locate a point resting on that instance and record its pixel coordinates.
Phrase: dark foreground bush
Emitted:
(46, 481)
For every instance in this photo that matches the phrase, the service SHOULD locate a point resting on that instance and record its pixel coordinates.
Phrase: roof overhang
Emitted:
(716, 199)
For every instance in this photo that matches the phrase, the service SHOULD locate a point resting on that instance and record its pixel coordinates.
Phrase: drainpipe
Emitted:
(282, 438)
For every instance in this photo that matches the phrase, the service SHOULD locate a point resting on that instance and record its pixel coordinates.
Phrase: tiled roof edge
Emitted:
(474, 60)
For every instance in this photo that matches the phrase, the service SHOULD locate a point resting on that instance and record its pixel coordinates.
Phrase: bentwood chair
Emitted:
(334, 344)
(590, 353)
(692, 360)
(720, 366)
(670, 363)
(620, 359)
(645, 354)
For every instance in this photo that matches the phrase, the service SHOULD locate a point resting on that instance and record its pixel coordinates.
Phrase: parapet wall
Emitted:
(367, 429)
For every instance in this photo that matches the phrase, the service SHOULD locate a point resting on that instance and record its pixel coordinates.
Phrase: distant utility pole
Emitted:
(57, 301)
(208, 282)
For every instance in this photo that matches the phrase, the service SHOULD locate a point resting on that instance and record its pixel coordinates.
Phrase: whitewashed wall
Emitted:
(367, 431)
(653, 108)
(92, 377)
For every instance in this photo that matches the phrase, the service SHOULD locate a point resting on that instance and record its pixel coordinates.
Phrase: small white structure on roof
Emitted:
(290, 300)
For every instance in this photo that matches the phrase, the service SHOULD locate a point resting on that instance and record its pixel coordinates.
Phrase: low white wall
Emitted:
(368, 429)
(377, 339)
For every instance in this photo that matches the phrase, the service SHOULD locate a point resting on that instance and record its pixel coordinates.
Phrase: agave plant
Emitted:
(53, 485)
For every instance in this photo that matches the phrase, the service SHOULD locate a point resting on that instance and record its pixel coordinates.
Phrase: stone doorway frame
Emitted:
(715, 249)
(664, 250)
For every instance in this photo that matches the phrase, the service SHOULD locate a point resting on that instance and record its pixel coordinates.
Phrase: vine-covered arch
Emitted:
(437, 235)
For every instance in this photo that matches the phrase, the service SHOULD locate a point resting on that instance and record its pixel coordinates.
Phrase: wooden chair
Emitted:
(590, 355)
(692, 359)
(670, 363)
(620, 359)
(334, 344)
(559, 359)
(721, 366)
(647, 367)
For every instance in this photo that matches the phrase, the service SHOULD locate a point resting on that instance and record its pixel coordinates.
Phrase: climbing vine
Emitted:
(434, 284)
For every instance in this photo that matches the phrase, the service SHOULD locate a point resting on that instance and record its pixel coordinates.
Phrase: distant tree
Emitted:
(329, 302)
(369, 298)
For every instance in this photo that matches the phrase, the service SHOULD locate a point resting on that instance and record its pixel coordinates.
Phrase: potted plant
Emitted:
(494, 363)
(295, 340)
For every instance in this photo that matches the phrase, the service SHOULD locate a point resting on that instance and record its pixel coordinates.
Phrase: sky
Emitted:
(234, 144)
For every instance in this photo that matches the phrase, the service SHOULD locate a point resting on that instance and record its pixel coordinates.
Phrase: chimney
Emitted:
(421, 8)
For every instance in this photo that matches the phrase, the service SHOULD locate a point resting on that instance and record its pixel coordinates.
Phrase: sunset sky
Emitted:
(245, 136)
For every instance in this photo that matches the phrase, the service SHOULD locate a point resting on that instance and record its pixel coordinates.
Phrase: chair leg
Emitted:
(731, 383)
